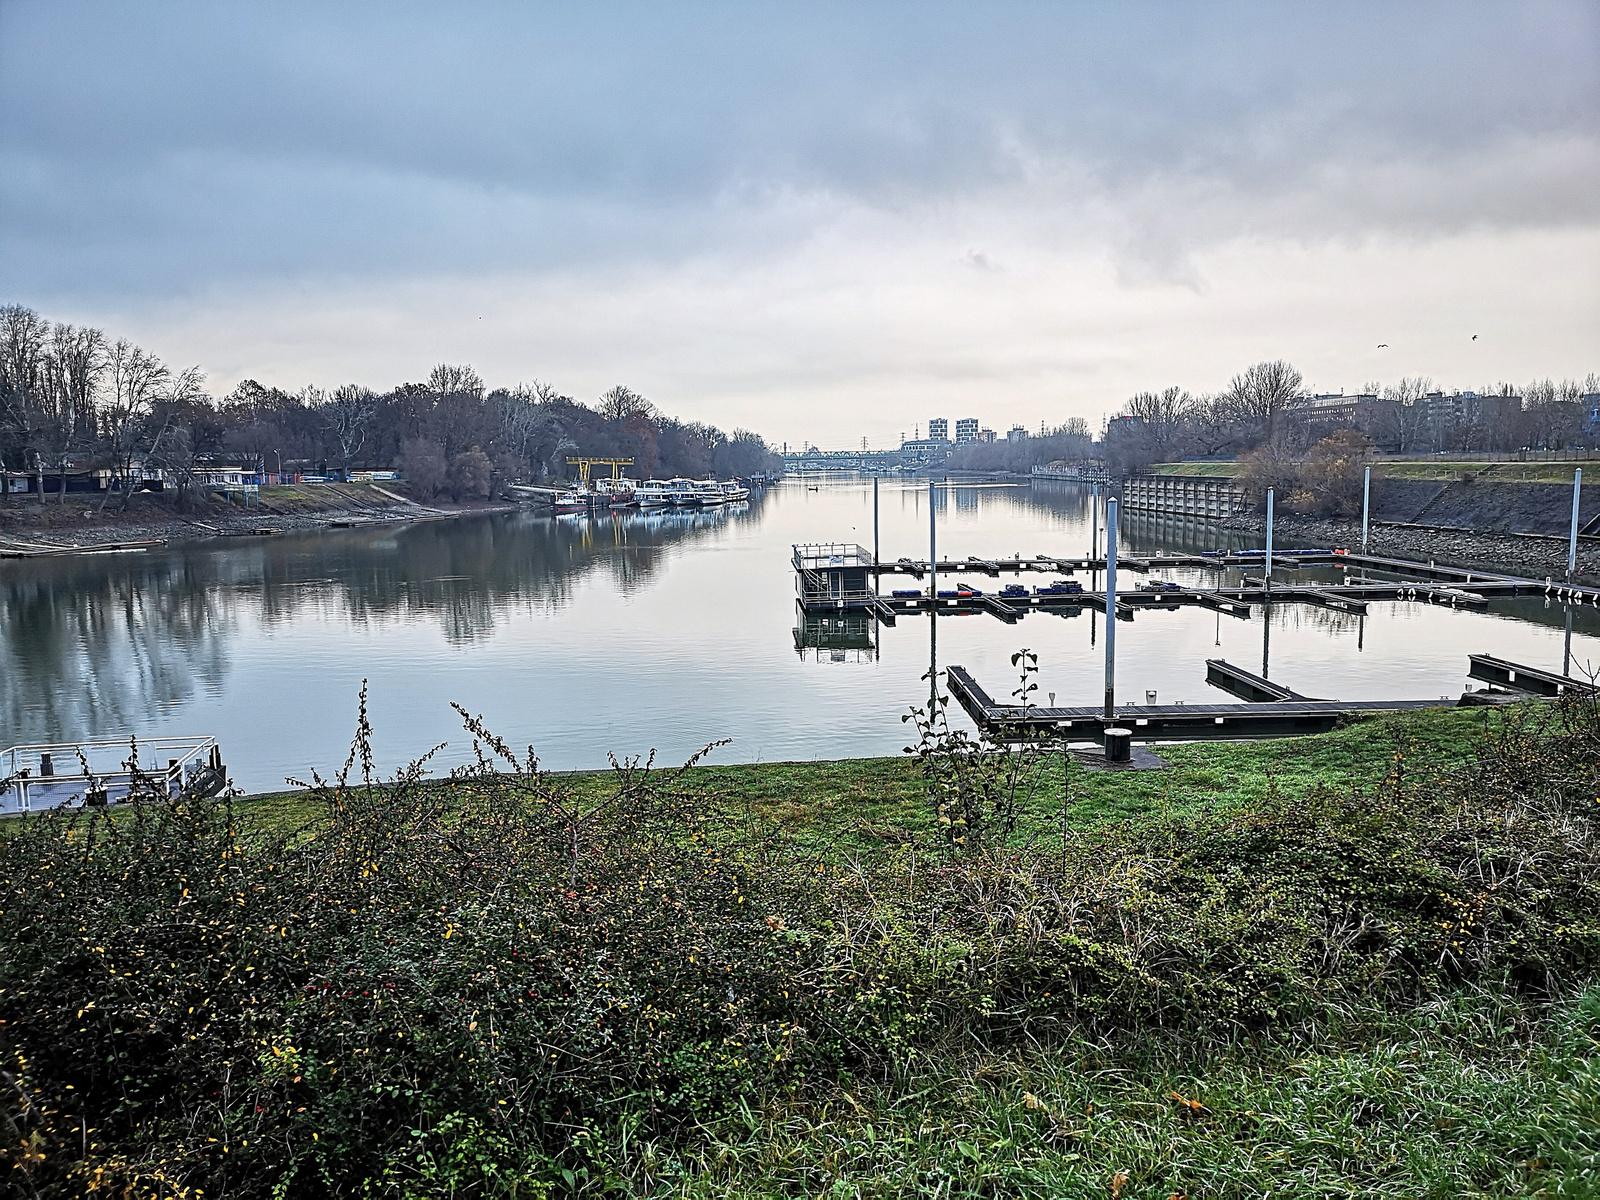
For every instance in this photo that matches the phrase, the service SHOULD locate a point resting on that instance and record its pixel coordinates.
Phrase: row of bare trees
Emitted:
(72, 398)
(1267, 405)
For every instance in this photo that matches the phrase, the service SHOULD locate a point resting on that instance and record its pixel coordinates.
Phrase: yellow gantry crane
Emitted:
(584, 465)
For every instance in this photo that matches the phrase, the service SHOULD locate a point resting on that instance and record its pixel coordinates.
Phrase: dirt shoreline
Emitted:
(29, 530)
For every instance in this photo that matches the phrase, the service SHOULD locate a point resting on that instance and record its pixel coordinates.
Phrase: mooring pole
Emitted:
(874, 534)
(933, 552)
(1269, 540)
(1572, 544)
(1094, 520)
(1366, 495)
(1111, 608)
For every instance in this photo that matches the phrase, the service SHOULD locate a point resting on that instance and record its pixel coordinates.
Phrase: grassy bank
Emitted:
(1347, 965)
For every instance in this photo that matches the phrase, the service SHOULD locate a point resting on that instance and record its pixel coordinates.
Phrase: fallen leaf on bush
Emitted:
(1118, 1182)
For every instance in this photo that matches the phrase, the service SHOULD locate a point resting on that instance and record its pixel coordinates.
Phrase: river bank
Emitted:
(80, 526)
(1274, 968)
(1520, 554)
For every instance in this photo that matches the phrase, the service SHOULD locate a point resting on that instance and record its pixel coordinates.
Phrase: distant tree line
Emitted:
(1267, 407)
(72, 398)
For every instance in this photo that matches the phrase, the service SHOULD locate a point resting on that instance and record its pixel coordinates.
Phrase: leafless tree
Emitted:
(348, 413)
(621, 402)
(76, 364)
(23, 339)
(136, 380)
(449, 380)
(1260, 396)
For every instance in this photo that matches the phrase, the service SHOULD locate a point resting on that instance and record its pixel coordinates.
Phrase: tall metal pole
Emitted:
(933, 552)
(1269, 539)
(1366, 496)
(1572, 545)
(1094, 520)
(1111, 608)
(875, 558)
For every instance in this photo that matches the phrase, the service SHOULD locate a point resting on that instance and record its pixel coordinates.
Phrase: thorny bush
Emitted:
(462, 986)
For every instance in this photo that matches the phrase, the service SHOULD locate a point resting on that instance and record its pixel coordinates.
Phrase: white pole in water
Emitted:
(933, 552)
(1094, 520)
(1269, 538)
(1572, 545)
(874, 533)
(1111, 608)
(1366, 495)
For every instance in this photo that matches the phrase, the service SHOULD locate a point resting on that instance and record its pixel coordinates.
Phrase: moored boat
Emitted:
(710, 492)
(652, 493)
(572, 501)
(683, 493)
(734, 491)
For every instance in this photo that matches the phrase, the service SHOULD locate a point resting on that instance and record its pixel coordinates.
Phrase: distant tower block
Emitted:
(967, 429)
(938, 427)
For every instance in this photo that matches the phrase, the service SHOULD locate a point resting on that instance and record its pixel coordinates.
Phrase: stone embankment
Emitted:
(1516, 554)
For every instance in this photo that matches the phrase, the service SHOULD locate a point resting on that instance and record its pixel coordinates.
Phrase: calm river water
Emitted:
(587, 636)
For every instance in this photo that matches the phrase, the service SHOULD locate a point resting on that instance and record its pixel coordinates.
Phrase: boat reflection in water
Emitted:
(839, 637)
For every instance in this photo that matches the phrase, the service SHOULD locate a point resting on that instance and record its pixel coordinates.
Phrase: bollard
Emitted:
(1119, 744)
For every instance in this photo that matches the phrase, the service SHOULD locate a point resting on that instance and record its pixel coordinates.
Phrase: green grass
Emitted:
(1466, 1096)
(858, 806)
(1210, 470)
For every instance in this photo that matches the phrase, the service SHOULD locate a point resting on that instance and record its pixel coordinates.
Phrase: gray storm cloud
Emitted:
(158, 154)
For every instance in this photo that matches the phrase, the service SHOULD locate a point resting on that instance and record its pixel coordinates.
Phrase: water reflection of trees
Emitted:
(99, 642)
(92, 643)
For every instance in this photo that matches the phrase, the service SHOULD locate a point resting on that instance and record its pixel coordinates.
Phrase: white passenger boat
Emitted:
(683, 493)
(572, 501)
(711, 493)
(652, 493)
(734, 491)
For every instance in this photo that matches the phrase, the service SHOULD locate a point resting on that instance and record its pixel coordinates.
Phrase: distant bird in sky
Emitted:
(1474, 337)
(1383, 345)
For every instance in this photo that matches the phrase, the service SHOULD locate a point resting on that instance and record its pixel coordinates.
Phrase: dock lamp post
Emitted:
(1572, 542)
(1111, 608)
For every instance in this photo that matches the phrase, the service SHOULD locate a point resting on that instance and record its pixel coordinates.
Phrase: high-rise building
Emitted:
(967, 429)
(938, 427)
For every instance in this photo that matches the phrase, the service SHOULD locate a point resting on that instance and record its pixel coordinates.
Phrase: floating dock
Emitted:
(1164, 722)
(1531, 681)
(842, 577)
(74, 774)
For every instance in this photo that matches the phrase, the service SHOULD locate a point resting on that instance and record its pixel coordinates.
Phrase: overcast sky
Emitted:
(819, 221)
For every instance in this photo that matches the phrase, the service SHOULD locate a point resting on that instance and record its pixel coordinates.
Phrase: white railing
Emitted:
(49, 775)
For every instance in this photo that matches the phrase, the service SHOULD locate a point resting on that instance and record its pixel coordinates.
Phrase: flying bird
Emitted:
(1474, 337)
(1383, 345)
